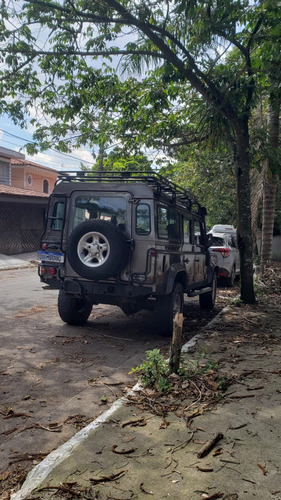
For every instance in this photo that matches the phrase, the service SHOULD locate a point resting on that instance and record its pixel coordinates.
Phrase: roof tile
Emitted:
(13, 191)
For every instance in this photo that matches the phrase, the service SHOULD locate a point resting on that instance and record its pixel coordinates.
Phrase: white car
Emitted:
(223, 228)
(226, 249)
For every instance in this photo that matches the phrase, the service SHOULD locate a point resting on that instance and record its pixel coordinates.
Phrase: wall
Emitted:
(276, 247)
(22, 174)
(17, 177)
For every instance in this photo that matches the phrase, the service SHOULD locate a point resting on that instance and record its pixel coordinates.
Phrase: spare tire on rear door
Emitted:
(97, 249)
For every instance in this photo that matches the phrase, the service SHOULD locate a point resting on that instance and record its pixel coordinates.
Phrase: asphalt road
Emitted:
(56, 378)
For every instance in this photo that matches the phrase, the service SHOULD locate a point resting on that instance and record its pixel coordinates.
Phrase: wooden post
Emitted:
(176, 345)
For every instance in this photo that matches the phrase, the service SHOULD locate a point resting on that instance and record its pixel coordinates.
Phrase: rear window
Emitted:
(218, 242)
(111, 209)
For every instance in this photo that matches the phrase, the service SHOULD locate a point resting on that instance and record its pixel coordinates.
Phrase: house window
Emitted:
(45, 186)
(29, 180)
(5, 177)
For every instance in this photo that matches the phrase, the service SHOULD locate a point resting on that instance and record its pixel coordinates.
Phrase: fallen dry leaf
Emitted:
(144, 491)
(122, 452)
(262, 469)
(4, 475)
(205, 469)
(217, 452)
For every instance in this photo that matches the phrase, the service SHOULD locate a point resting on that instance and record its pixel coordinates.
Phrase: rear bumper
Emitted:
(101, 290)
(223, 273)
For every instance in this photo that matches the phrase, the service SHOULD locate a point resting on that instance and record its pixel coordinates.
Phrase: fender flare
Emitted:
(175, 273)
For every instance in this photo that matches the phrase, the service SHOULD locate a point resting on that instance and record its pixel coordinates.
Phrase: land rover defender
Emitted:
(132, 239)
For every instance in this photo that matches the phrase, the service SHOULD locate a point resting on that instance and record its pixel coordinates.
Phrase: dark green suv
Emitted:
(134, 240)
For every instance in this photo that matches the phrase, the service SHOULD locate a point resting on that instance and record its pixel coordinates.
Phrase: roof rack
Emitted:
(160, 185)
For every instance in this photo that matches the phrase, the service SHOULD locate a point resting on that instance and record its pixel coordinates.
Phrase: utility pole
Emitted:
(101, 157)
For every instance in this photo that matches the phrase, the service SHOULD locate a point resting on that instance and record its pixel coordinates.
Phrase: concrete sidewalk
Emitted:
(147, 445)
(17, 261)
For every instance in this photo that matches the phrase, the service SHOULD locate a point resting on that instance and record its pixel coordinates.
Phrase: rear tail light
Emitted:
(42, 271)
(45, 246)
(52, 271)
(223, 251)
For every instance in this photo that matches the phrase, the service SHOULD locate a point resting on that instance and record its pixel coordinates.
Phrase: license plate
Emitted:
(50, 256)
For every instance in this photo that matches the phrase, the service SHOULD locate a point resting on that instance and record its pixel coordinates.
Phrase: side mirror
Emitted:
(209, 240)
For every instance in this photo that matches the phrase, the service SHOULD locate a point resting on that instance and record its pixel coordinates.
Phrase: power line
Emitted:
(51, 149)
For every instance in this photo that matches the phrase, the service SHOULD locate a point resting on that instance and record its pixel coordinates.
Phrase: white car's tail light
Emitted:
(223, 251)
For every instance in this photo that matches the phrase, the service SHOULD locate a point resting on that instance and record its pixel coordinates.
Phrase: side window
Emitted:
(197, 233)
(233, 241)
(187, 226)
(58, 214)
(162, 222)
(168, 223)
(143, 219)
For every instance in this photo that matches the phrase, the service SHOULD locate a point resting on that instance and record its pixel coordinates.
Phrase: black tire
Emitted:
(97, 250)
(231, 279)
(72, 310)
(208, 300)
(167, 306)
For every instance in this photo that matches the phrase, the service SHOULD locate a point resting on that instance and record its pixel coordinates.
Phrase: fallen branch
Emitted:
(50, 429)
(209, 445)
(242, 396)
(104, 479)
(10, 413)
(28, 456)
(64, 489)
(134, 423)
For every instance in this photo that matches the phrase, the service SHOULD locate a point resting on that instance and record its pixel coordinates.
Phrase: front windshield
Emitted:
(108, 208)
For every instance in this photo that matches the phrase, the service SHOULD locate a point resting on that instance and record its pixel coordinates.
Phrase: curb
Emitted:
(37, 475)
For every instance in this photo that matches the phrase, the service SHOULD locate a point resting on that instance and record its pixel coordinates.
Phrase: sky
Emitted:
(14, 138)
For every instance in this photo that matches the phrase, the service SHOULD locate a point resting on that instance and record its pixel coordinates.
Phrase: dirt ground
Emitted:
(242, 325)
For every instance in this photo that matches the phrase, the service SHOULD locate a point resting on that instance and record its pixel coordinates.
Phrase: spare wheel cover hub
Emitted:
(93, 249)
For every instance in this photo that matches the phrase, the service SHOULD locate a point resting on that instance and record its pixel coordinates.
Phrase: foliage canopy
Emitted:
(191, 86)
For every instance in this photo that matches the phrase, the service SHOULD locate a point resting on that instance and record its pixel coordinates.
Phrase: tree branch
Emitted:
(192, 72)
(35, 53)
(16, 70)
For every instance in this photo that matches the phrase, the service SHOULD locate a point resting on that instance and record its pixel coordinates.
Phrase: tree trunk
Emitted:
(101, 158)
(268, 214)
(270, 184)
(242, 164)
(176, 345)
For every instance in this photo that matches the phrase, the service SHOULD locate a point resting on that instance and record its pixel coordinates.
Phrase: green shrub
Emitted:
(153, 372)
